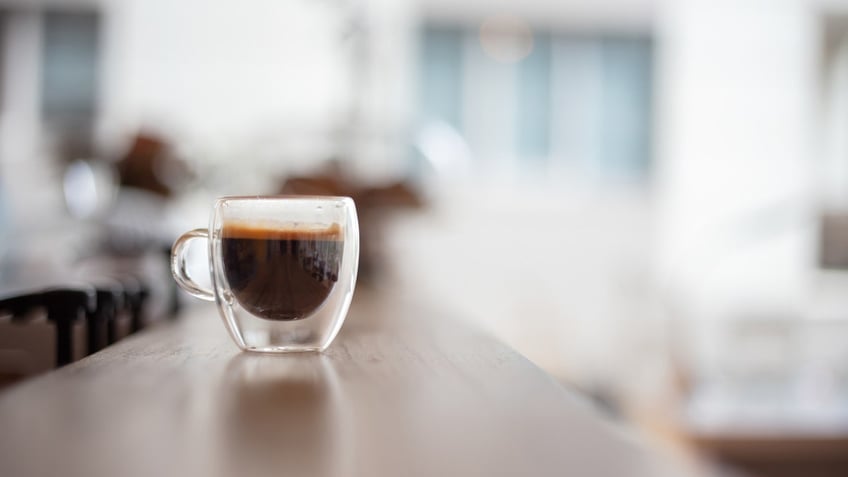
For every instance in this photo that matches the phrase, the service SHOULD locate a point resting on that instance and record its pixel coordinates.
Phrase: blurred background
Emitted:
(647, 198)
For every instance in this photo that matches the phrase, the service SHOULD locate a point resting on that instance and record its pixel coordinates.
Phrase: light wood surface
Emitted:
(404, 390)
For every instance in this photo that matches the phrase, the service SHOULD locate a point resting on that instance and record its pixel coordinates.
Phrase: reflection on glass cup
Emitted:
(283, 269)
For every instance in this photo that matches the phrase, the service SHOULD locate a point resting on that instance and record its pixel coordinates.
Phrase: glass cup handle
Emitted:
(178, 265)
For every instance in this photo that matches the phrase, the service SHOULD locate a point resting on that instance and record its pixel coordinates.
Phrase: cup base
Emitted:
(283, 349)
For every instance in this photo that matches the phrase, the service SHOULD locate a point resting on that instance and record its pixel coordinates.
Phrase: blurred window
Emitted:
(70, 65)
(441, 74)
(530, 98)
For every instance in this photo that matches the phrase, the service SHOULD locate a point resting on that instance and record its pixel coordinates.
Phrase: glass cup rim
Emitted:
(285, 197)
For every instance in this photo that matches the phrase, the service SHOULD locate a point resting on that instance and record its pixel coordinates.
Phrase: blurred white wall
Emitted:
(216, 72)
(560, 273)
(737, 95)
(265, 79)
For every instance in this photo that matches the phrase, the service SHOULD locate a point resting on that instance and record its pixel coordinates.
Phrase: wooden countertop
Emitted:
(402, 391)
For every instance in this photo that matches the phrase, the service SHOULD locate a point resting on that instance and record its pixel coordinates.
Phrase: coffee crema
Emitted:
(281, 272)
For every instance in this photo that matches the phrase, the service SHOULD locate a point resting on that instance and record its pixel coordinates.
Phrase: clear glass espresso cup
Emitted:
(283, 269)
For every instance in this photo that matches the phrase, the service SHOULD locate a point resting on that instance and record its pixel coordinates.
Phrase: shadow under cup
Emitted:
(283, 269)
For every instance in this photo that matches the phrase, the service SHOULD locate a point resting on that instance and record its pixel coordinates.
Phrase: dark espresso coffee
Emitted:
(281, 273)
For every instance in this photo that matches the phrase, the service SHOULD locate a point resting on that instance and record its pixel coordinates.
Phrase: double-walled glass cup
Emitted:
(283, 269)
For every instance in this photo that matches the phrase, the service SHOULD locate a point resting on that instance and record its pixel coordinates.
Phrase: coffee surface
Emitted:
(281, 273)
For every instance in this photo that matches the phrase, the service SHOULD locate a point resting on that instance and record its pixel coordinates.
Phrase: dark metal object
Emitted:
(64, 306)
(100, 304)
(101, 321)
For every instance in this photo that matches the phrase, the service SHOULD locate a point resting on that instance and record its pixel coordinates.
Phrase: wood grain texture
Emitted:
(402, 391)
